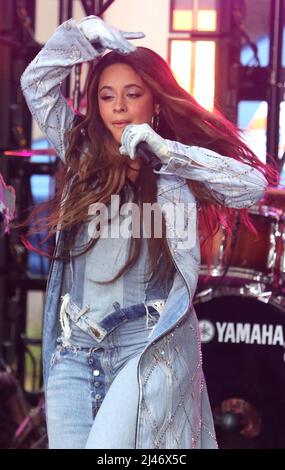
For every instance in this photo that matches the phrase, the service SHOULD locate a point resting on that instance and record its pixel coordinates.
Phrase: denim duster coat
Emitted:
(173, 410)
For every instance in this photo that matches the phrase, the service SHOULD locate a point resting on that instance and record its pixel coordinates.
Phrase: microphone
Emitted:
(144, 151)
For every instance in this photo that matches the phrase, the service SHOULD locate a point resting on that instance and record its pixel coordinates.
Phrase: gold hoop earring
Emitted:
(155, 122)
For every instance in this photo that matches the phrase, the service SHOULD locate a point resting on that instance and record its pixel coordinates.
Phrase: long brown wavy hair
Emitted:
(95, 170)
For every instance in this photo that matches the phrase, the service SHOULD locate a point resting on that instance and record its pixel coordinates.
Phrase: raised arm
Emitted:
(69, 45)
(42, 78)
(232, 183)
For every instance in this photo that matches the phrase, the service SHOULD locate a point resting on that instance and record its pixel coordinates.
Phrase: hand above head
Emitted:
(136, 133)
(96, 30)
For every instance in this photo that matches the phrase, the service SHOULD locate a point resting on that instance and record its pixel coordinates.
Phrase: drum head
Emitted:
(243, 362)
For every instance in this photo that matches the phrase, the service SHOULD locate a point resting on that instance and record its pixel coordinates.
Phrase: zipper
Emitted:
(52, 265)
(64, 196)
(156, 340)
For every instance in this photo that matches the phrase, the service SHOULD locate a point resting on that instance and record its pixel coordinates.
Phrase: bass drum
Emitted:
(243, 359)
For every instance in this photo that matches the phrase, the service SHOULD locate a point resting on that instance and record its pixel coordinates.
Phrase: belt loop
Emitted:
(117, 306)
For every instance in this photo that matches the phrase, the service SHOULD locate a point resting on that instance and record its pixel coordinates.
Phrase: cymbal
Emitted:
(29, 152)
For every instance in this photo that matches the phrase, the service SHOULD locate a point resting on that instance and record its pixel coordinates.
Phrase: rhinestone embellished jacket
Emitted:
(173, 410)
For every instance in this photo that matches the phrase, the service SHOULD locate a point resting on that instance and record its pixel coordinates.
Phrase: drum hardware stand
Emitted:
(282, 261)
(256, 290)
(218, 271)
(276, 235)
(222, 251)
(204, 295)
(272, 253)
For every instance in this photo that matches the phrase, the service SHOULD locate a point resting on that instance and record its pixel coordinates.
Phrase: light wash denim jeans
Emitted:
(92, 390)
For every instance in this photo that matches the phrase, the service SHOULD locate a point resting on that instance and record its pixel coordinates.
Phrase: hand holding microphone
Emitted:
(142, 140)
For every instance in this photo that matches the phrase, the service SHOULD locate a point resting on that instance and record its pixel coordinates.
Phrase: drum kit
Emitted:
(240, 304)
(249, 263)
